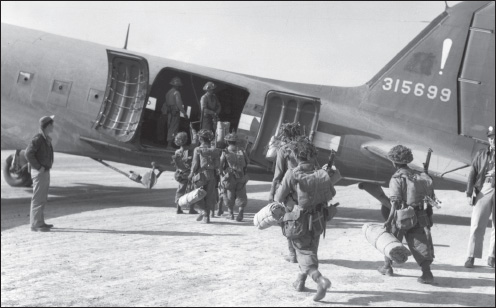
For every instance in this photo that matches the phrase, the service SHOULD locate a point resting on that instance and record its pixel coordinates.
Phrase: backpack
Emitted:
(209, 158)
(313, 188)
(236, 161)
(418, 186)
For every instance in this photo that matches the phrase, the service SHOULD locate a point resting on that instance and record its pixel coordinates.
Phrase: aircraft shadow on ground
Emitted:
(373, 265)
(366, 298)
(123, 232)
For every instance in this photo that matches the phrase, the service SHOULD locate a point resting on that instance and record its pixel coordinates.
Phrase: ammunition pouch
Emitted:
(406, 218)
(295, 224)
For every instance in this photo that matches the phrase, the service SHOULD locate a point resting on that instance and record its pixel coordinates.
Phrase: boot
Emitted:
(490, 261)
(427, 277)
(387, 268)
(220, 211)
(192, 210)
(322, 285)
(470, 262)
(240, 214)
(200, 216)
(299, 284)
(179, 210)
(206, 217)
(231, 215)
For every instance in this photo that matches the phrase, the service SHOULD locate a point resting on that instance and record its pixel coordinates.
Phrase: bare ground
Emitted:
(118, 244)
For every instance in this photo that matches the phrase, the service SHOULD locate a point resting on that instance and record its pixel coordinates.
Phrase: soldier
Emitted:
(481, 181)
(285, 160)
(405, 192)
(312, 189)
(171, 112)
(39, 154)
(205, 168)
(210, 107)
(233, 163)
(182, 160)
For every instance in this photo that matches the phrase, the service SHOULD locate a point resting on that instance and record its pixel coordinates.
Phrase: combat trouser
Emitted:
(306, 249)
(161, 122)
(483, 209)
(418, 242)
(207, 204)
(41, 183)
(235, 191)
(172, 125)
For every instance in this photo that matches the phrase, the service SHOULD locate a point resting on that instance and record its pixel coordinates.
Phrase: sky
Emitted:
(331, 43)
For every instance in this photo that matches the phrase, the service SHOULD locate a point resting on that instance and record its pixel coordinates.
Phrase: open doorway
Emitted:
(231, 97)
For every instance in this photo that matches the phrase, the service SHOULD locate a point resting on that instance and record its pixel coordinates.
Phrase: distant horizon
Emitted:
(271, 39)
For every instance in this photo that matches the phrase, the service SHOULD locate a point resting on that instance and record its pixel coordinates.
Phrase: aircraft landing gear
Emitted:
(376, 191)
(15, 170)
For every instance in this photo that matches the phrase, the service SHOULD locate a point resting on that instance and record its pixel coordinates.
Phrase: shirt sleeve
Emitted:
(281, 167)
(195, 164)
(31, 151)
(472, 176)
(285, 188)
(395, 189)
(218, 106)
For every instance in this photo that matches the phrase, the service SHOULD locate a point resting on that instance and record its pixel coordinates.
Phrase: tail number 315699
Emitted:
(419, 89)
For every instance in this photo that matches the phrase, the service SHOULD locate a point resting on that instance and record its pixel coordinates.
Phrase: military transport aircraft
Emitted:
(438, 93)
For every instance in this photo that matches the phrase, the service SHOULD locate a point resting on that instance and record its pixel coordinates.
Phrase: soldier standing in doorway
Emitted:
(170, 112)
(210, 107)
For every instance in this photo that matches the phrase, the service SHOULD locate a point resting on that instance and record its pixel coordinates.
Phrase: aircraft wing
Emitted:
(440, 166)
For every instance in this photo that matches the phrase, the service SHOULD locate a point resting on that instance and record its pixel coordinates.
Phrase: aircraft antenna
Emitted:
(446, 5)
(127, 36)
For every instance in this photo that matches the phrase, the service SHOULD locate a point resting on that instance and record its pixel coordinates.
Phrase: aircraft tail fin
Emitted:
(444, 78)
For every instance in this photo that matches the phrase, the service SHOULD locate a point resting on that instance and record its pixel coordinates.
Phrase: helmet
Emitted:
(302, 147)
(231, 137)
(290, 131)
(490, 131)
(44, 121)
(181, 139)
(176, 81)
(206, 134)
(400, 155)
(209, 86)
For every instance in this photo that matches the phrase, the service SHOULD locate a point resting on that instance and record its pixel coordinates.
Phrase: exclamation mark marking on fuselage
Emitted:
(446, 49)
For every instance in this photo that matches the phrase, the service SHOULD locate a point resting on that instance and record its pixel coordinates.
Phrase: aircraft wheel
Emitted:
(22, 179)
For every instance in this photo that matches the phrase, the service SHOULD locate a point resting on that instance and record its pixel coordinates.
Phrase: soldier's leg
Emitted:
(418, 243)
(230, 198)
(41, 182)
(306, 251)
(172, 127)
(209, 199)
(480, 217)
(387, 267)
(241, 198)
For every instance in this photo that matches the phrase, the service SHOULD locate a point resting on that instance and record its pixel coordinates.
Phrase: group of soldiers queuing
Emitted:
(300, 185)
(221, 173)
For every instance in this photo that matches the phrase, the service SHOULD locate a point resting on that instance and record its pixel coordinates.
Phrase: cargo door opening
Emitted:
(284, 108)
(231, 97)
(125, 96)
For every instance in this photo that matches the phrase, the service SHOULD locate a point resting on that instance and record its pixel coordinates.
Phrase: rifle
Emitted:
(427, 161)
(330, 163)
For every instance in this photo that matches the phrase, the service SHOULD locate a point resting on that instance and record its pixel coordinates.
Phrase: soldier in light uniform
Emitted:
(233, 163)
(307, 243)
(171, 112)
(481, 182)
(205, 168)
(182, 159)
(418, 241)
(210, 107)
